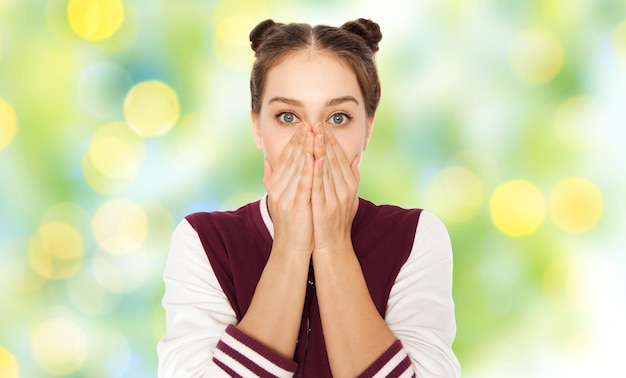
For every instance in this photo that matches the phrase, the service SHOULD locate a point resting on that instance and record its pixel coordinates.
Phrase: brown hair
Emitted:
(354, 43)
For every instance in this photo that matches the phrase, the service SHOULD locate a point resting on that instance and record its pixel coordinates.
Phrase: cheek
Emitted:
(352, 144)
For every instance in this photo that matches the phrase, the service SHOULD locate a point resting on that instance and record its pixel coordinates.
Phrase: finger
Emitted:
(292, 183)
(320, 149)
(338, 160)
(355, 169)
(335, 166)
(287, 164)
(308, 147)
(294, 176)
(305, 185)
(318, 128)
(317, 190)
(318, 131)
(298, 135)
(332, 141)
(308, 144)
(267, 171)
(330, 191)
(288, 151)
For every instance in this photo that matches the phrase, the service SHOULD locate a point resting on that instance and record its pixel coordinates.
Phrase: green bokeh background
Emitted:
(550, 303)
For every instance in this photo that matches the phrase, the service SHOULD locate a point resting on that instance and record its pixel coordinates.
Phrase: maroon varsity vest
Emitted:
(238, 245)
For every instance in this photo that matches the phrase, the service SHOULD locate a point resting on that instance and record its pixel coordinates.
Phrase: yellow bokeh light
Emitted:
(95, 20)
(8, 124)
(62, 240)
(576, 205)
(536, 56)
(56, 251)
(151, 108)
(233, 23)
(17, 273)
(100, 182)
(59, 346)
(120, 226)
(619, 42)
(233, 51)
(580, 123)
(8, 364)
(517, 208)
(113, 158)
(455, 194)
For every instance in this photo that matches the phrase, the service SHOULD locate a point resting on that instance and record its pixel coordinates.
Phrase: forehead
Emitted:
(308, 74)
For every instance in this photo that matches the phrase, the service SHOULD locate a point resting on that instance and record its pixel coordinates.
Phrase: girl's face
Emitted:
(312, 88)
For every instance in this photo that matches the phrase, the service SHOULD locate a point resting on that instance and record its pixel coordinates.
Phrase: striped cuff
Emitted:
(240, 355)
(393, 363)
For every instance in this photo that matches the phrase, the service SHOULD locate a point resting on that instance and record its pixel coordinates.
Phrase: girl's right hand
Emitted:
(288, 186)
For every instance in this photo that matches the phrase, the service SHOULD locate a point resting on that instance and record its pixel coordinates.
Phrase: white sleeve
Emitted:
(420, 311)
(197, 310)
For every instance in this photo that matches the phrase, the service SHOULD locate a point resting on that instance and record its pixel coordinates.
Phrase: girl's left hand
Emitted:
(334, 195)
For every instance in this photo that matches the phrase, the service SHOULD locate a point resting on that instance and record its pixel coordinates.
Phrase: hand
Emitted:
(288, 186)
(334, 195)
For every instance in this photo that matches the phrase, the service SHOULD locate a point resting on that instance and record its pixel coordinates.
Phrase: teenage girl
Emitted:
(310, 280)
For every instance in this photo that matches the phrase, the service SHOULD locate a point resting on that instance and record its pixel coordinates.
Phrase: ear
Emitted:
(256, 130)
(368, 132)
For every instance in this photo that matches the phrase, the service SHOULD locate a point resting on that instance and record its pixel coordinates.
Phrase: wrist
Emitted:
(291, 253)
(341, 246)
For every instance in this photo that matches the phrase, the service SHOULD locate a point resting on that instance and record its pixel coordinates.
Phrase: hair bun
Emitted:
(261, 31)
(368, 30)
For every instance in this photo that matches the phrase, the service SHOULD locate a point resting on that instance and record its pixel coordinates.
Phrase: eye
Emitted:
(339, 118)
(287, 117)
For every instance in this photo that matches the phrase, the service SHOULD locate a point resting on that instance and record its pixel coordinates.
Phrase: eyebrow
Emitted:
(331, 102)
(341, 100)
(285, 100)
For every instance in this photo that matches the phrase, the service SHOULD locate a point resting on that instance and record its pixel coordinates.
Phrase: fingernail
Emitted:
(320, 139)
(307, 138)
